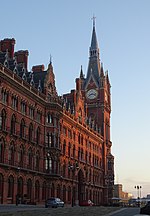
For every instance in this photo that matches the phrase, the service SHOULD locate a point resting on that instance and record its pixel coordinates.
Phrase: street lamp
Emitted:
(73, 167)
(138, 187)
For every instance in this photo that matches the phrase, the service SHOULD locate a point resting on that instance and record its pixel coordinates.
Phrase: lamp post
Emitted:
(138, 187)
(73, 167)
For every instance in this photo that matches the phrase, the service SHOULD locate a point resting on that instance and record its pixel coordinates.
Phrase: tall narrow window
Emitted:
(37, 161)
(22, 129)
(38, 136)
(13, 125)
(4, 96)
(30, 159)
(44, 190)
(29, 189)
(10, 186)
(3, 120)
(11, 154)
(1, 150)
(37, 190)
(30, 132)
(20, 186)
(20, 156)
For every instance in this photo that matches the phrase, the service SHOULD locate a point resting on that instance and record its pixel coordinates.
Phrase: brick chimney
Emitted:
(8, 44)
(22, 57)
(38, 68)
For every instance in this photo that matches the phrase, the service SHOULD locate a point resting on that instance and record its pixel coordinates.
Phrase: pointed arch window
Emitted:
(4, 96)
(3, 120)
(30, 134)
(10, 186)
(48, 139)
(38, 132)
(22, 129)
(20, 186)
(53, 190)
(64, 147)
(37, 190)
(21, 156)
(11, 154)
(44, 189)
(64, 193)
(69, 149)
(1, 185)
(58, 191)
(107, 130)
(48, 163)
(37, 160)
(1, 150)
(69, 193)
(30, 159)
(29, 189)
(13, 124)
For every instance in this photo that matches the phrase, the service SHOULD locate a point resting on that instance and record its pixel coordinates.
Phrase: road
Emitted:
(126, 212)
(8, 210)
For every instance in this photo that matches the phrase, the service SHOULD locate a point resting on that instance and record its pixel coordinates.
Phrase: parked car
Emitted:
(145, 209)
(86, 203)
(54, 202)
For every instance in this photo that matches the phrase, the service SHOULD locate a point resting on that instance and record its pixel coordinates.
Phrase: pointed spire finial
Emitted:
(50, 59)
(94, 18)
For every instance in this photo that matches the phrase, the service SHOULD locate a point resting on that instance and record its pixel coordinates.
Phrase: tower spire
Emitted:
(94, 60)
(94, 18)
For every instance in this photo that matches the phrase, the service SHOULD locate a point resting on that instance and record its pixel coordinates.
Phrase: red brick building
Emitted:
(53, 145)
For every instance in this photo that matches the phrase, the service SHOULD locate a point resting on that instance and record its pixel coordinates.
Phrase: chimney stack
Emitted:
(38, 68)
(22, 57)
(8, 45)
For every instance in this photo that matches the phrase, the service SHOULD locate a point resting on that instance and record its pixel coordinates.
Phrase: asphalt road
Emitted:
(8, 210)
(126, 212)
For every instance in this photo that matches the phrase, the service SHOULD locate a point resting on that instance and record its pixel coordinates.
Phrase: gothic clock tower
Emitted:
(96, 91)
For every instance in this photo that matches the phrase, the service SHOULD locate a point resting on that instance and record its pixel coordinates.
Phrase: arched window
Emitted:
(3, 120)
(69, 194)
(29, 189)
(37, 160)
(20, 186)
(30, 132)
(53, 190)
(4, 96)
(38, 135)
(58, 191)
(64, 147)
(44, 190)
(48, 163)
(11, 154)
(69, 150)
(1, 150)
(10, 186)
(21, 156)
(30, 159)
(1, 187)
(37, 190)
(64, 193)
(22, 129)
(13, 124)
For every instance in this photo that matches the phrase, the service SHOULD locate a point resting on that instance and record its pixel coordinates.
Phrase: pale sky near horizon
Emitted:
(63, 28)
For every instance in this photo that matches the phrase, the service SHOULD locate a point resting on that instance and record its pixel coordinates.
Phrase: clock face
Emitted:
(91, 94)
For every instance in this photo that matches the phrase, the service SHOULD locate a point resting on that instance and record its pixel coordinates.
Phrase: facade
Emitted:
(53, 145)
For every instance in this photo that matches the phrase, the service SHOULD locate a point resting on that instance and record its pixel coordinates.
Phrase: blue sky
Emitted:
(63, 28)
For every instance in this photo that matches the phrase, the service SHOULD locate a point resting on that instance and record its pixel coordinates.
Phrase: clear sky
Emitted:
(63, 29)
